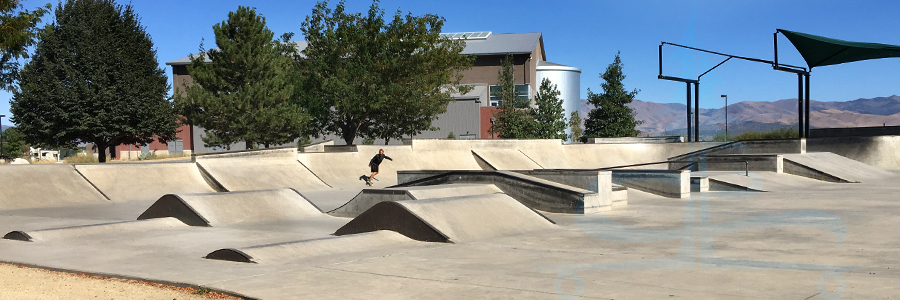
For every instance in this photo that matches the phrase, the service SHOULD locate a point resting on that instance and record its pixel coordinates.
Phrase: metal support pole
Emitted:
(800, 104)
(660, 59)
(806, 124)
(1, 134)
(688, 111)
(697, 111)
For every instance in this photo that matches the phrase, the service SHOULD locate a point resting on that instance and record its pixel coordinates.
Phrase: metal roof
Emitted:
(499, 43)
(547, 66)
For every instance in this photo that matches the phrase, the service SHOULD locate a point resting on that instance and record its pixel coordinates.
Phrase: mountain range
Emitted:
(669, 118)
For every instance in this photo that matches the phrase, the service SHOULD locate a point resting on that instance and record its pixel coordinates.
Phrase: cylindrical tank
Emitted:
(567, 80)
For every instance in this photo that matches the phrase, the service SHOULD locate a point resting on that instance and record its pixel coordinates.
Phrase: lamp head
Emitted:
(724, 96)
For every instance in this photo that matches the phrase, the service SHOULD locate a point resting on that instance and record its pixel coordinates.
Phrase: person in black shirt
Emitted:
(375, 162)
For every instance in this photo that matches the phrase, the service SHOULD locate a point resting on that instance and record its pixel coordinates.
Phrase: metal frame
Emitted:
(695, 135)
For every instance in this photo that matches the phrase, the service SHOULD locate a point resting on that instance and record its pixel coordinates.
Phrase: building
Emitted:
(470, 116)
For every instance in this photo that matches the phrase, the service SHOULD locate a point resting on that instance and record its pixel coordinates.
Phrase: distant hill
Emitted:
(669, 118)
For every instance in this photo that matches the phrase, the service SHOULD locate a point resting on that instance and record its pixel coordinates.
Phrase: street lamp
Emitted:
(726, 115)
(1, 134)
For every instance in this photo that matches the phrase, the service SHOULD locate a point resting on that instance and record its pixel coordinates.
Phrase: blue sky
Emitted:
(587, 34)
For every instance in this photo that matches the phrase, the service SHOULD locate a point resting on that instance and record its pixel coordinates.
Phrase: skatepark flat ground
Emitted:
(606, 263)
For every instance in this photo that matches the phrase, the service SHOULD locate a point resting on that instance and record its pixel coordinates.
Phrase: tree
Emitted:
(364, 76)
(244, 92)
(18, 31)
(610, 117)
(512, 121)
(548, 113)
(94, 78)
(13, 143)
(575, 126)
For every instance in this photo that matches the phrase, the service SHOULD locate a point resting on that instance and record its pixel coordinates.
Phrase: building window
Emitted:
(522, 95)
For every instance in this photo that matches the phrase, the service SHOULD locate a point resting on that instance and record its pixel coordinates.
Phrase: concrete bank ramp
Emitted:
(222, 209)
(879, 151)
(259, 170)
(505, 159)
(589, 156)
(759, 182)
(145, 181)
(369, 197)
(106, 229)
(832, 167)
(39, 186)
(450, 220)
(297, 250)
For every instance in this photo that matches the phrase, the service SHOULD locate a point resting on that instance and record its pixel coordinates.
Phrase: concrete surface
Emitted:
(369, 197)
(222, 209)
(279, 252)
(827, 165)
(41, 186)
(879, 151)
(117, 228)
(254, 170)
(801, 239)
(666, 183)
(506, 159)
(451, 220)
(144, 181)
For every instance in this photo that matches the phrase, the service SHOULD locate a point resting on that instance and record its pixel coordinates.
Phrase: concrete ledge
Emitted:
(747, 147)
(533, 192)
(699, 184)
(666, 183)
(735, 162)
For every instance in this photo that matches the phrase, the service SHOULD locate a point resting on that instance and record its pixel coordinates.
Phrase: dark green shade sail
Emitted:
(823, 51)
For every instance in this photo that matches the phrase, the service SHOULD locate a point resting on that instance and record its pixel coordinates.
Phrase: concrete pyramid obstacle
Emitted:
(97, 229)
(369, 197)
(218, 209)
(296, 250)
(448, 220)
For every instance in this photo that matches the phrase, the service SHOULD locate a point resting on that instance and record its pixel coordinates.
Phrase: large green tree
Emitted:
(13, 143)
(94, 78)
(18, 31)
(243, 89)
(512, 120)
(610, 116)
(549, 115)
(363, 76)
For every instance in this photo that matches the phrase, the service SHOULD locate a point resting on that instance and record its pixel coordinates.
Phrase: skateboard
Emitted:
(366, 179)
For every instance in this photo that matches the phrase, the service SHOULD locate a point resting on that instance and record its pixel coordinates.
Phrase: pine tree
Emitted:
(610, 117)
(511, 121)
(13, 143)
(548, 113)
(575, 126)
(94, 78)
(243, 89)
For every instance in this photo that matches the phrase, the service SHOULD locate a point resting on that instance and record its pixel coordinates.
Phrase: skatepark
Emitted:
(534, 219)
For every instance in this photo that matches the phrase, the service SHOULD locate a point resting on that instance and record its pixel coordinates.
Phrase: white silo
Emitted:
(567, 80)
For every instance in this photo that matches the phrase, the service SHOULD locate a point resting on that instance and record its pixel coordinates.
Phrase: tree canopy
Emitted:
(610, 117)
(93, 78)
(13, 143)
(364, 76)
(18, 31)
(245, 91)
(575, 126)
(511, 121)
(549, 115)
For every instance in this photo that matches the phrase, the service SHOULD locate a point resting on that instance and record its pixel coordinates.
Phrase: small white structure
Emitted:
(44, 154)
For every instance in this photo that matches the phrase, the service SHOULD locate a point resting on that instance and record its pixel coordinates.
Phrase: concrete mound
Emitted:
(369, 197)
(106, 229)
(450, 220)
(258, 170)
(832, 167)
(297, 250)
(506, 159)
(145, 181)
(38, 186)
(218, 209)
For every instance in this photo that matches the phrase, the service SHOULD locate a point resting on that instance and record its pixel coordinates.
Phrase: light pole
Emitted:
(726, 116)
(1, 134)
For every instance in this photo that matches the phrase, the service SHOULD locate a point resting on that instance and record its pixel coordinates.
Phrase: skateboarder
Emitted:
(374, 163)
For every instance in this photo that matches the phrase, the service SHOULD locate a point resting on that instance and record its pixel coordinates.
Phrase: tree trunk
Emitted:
(101, 152)
(248, 145)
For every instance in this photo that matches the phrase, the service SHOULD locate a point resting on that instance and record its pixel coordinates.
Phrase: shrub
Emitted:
(80, 158)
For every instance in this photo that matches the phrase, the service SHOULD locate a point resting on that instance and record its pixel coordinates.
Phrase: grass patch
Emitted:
(80, 159)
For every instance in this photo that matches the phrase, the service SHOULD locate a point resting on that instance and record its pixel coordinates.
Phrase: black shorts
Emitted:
(374, 168)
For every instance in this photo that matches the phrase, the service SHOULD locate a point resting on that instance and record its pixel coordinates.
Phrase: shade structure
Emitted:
(824, 51)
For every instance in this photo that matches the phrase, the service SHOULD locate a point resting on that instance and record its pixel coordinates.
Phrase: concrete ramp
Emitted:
(369, 197)
(221, 209)
(274, 253)
(759, 182)
(590, 156)
(259, 170)
(450, 220)
(106, 229)
(505, 159)
(39, 186)
(879, 151)
(145, 181)
(832, 167)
